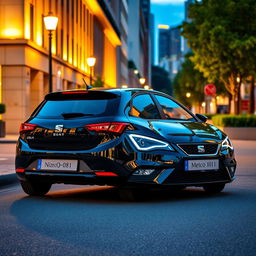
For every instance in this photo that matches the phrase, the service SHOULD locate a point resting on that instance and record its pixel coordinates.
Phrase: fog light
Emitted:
(143, 172)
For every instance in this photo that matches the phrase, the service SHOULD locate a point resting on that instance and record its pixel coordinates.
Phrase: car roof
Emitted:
(111, 90)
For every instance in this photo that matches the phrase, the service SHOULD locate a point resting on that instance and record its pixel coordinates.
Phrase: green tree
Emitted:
(189, 80)
(222, 35)
(161, 80)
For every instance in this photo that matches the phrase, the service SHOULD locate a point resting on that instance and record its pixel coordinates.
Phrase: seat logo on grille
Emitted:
(200, 149)
(59, 128)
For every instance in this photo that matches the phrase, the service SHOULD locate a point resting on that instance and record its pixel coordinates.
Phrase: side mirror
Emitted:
(202, 118)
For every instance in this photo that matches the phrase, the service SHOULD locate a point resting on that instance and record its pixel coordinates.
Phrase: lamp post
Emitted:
(91, 62)
(50, 23)
(142, 80)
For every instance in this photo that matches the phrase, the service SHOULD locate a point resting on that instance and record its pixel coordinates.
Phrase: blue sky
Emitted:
(169, 12)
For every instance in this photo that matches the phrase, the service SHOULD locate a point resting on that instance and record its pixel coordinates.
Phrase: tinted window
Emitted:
(172, 110)
(143, 106)
(78, 108)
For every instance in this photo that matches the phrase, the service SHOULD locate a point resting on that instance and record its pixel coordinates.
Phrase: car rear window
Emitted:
(78, 105)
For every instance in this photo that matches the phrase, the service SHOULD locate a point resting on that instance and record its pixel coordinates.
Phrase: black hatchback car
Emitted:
(130, 138)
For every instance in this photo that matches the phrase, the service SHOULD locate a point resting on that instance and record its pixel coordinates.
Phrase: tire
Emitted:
(214, 188)
(35, 188)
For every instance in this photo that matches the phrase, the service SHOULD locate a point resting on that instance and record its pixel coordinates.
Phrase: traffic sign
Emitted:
(210, 90)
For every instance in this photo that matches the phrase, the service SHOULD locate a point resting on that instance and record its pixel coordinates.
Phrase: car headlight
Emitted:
(145, 143)
(226, 143)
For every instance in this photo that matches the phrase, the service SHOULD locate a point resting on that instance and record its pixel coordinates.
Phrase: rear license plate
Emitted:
(57, 164)
(200, 165)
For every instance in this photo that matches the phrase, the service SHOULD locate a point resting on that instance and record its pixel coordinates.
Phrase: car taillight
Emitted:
(107, 127)
(27, 127)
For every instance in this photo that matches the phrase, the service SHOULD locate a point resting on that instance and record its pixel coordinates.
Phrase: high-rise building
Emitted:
(152, 38)
(85, 28)
(138, 41)
(170, 55)
(163, 42)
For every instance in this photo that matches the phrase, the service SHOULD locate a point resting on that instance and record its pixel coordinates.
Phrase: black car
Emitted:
(130, 138)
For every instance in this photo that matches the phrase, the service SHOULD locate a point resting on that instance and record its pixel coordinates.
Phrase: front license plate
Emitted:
(57, 164)
(199, 165)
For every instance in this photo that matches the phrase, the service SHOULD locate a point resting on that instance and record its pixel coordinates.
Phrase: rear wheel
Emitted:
(214, 188)
(35, 188)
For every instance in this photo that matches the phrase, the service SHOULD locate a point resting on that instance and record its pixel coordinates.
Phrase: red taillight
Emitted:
(107, 127)
(105, 174)
(27, 127)
(20, 170)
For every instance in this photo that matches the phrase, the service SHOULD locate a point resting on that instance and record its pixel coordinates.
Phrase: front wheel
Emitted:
(214, 188)
(35, 188)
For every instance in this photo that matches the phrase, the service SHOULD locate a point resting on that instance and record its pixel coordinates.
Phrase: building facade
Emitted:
(85, 28)
(170, 54)
(139, 42)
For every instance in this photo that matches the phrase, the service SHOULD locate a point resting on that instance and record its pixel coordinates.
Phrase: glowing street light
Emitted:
(142, 80)
(146, 87)
(91, 63)
(50, 23)
(188, 94)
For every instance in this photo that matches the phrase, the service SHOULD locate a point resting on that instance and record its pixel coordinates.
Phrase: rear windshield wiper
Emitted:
(73, 115)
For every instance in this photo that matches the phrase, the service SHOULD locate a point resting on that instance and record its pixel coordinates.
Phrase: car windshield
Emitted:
(172, 110)
(78, 108)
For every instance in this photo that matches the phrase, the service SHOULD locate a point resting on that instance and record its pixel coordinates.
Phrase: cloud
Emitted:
(167, 1)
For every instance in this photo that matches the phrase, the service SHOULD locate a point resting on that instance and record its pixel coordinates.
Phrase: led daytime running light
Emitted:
(158, 143)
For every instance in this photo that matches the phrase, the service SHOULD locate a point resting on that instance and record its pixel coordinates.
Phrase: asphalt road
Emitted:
(73, 220)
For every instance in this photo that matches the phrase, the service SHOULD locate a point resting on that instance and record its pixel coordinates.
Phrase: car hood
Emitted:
(186, 132)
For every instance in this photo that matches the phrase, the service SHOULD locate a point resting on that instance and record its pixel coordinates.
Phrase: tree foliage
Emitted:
(189, 80)
(222, 35)
(161, 80)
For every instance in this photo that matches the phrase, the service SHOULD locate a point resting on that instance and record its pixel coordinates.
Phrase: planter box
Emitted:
(240, 133)
(2, 129)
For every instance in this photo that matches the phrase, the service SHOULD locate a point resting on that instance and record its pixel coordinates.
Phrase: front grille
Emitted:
(192, 149)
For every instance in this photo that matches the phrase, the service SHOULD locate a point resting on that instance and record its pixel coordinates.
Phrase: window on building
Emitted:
(32, 22)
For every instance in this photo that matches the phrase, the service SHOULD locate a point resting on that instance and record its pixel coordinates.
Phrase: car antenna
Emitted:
(88, 87)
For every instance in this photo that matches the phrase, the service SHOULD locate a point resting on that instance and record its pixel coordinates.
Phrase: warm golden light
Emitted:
(39, 39)
(142, 80)
(203, 104)
(50, 22)
(91, 61)
(12, 33)
(161, 26)
(188, 94)
(136, 71)
(146, 87)
(124, 86)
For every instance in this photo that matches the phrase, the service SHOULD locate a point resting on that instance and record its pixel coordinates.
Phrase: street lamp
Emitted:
(91, 62)
(142, 80)
(188, 94)
(50, 23)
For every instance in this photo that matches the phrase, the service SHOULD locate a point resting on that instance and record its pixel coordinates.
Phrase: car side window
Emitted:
(144, 107)
(172, 110)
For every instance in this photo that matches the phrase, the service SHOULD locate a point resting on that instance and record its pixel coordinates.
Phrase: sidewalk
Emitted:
(9, 139)
(7, 170)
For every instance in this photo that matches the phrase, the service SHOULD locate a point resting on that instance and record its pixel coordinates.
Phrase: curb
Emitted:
(8, 179)
(8, 141)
